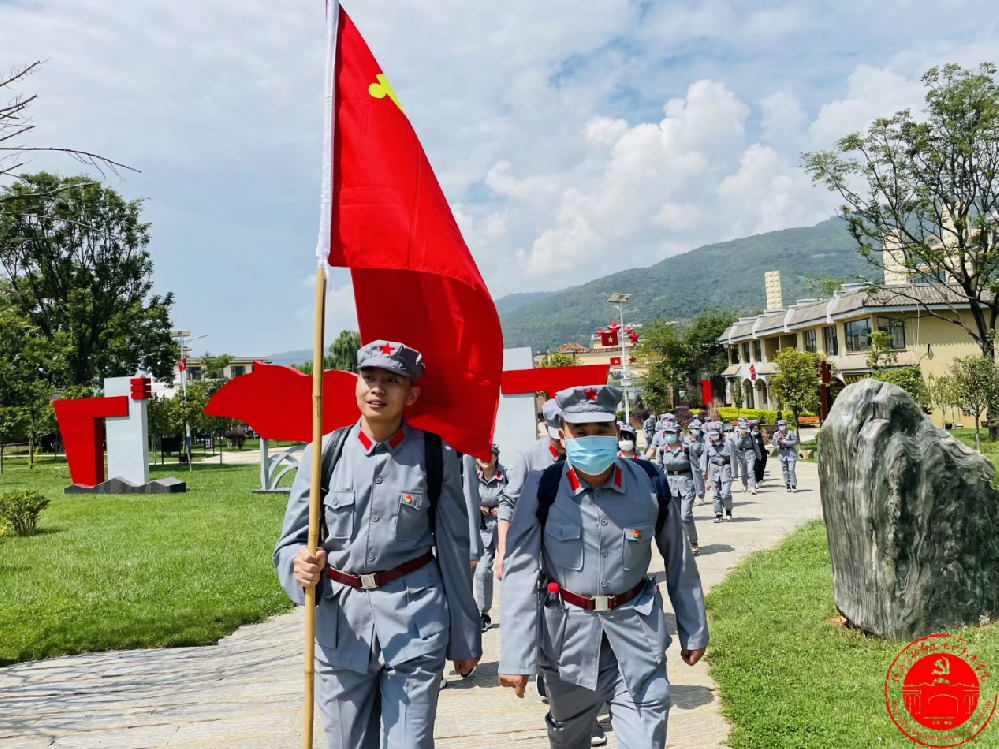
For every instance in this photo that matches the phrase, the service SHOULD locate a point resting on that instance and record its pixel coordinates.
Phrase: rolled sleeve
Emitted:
(683, 584)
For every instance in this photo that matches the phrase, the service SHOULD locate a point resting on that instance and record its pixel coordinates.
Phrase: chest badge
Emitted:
(408, 499)
(635, 533)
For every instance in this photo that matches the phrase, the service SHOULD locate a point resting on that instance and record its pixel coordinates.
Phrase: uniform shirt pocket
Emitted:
(413, 519)
(564, 544)
(638, 546)
(340, 514)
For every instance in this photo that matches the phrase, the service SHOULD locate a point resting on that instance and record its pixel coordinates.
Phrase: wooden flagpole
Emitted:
(316, 478)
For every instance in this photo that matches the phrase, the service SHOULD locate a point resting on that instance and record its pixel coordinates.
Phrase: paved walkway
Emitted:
(246, 691)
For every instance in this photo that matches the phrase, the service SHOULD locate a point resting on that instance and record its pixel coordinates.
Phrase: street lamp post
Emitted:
(184, 337)
(620, 300)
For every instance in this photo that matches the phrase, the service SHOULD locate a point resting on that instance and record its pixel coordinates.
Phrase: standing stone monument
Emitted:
(911, 517)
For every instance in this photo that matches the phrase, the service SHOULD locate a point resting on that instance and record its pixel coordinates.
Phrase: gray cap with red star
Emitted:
(393, 357)
(593, 403)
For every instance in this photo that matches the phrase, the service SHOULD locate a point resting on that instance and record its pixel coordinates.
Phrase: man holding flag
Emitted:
(389, 610)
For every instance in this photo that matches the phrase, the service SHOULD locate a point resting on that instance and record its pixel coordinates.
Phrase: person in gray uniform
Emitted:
(389, 611)
(536, 457)
(683, 473)
(649, 426)
(491, 479)
(719, 464)
(695, 443)
(585, 531)
(747, 452)
(470, 487)
(787, 453)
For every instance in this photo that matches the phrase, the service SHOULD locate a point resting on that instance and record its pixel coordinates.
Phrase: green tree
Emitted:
(926, 191)
(910, 379)
(11, 428)
(738, 396)
(685, 354)
(796, 384)
(974, 384)
(342, 353)
(74, 263)
(214, 366)
(556, 360)
(824, 287)
(880, 354)
(657, 393)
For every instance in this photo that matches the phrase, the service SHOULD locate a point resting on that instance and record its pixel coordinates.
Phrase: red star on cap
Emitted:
(386, 349)
(591, 394)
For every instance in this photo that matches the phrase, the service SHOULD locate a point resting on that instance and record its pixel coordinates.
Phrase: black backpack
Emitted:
(433, 459)
(552, 477)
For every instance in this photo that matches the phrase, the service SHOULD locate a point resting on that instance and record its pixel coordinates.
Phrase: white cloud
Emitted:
(572, 139)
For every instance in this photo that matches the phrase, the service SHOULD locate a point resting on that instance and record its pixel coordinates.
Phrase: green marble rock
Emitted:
(911, 517)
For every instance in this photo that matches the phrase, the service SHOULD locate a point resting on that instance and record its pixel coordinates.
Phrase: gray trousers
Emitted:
(788, 464)
(683, 490)
(484, 572)
(747, 466)
(638, 720)
(721, 489)
(397, 703)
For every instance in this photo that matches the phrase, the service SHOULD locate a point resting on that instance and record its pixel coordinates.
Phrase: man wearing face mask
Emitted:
(587, 527)
(748, 452)
(536, 457)
(491, 479)
(684, 477)
(719, 463)
(787, 453)
(695, 445)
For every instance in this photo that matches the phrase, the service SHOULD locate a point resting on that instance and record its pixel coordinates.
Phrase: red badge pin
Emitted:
(635, 533)
(553, 587)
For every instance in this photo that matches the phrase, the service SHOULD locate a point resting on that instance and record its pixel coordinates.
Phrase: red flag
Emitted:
(414, 279)
(615, 361)
(182, 365)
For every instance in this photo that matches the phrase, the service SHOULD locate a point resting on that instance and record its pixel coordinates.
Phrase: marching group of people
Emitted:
(413, 535)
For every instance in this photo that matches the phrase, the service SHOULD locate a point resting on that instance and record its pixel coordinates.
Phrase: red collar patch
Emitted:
(397, 439)
(573, 480)
(394, 442)
(553, 451)
(365, 439)
(617, 476)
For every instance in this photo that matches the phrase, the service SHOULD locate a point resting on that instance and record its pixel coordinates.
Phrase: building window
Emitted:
(745, 352)
(757, 352)
(858, 335)
(238, 371)
(831, 340)
(896, 329)
(195, 372)
(734, 355)
(809, 337)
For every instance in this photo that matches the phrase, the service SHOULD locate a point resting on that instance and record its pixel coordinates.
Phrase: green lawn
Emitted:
(789, 677)
(109, 572)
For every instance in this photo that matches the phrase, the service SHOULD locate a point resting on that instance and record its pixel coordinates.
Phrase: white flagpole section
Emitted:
(329, 103)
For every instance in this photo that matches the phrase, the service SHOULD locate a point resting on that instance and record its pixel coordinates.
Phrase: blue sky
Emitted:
(573, 139)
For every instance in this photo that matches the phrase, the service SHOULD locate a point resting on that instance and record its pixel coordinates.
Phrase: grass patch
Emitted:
(788, 677)
(118, 572)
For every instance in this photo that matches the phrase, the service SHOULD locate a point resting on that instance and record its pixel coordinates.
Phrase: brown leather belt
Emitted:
(378, 579)
(601, 603)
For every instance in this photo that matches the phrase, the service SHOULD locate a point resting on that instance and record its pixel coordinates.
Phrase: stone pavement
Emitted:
(246, 691)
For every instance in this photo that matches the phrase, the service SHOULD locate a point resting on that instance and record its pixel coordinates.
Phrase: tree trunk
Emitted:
(978, 441)
(31, 452)
(905, 497)
(1, 457)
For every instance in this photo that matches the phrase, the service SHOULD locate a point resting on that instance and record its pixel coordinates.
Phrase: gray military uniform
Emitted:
(598, 542)
(719, 462)
(381, 652)
(747, 452)
(536, 457)
(683, 472)
(489, 496)
(649, 426)
(787, 453)
(470, 486)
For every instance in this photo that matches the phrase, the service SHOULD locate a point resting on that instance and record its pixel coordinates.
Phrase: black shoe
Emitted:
(728, 516)
(597, 736)
(718, 518)
(487, 622)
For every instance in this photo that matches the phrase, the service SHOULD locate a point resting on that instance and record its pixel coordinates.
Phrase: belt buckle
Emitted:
(601, 603)
(368, 582)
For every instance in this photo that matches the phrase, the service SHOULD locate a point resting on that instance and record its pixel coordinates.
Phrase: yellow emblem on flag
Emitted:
(382, 89)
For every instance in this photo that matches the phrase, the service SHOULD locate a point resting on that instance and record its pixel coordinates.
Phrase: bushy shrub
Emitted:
(236, 437)
(762, 415)
(20, 510)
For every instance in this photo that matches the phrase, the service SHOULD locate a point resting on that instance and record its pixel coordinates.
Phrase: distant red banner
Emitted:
(553, 379)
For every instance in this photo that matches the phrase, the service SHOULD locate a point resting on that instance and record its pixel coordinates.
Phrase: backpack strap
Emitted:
(547, 489)
(330, 457)
(662, 493)
(433, 460)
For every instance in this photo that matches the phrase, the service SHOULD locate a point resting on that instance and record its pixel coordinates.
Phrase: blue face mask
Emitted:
(670, 437)
(591, 455)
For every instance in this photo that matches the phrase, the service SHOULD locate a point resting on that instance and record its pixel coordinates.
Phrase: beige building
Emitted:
(601, 355)
(840, 328)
